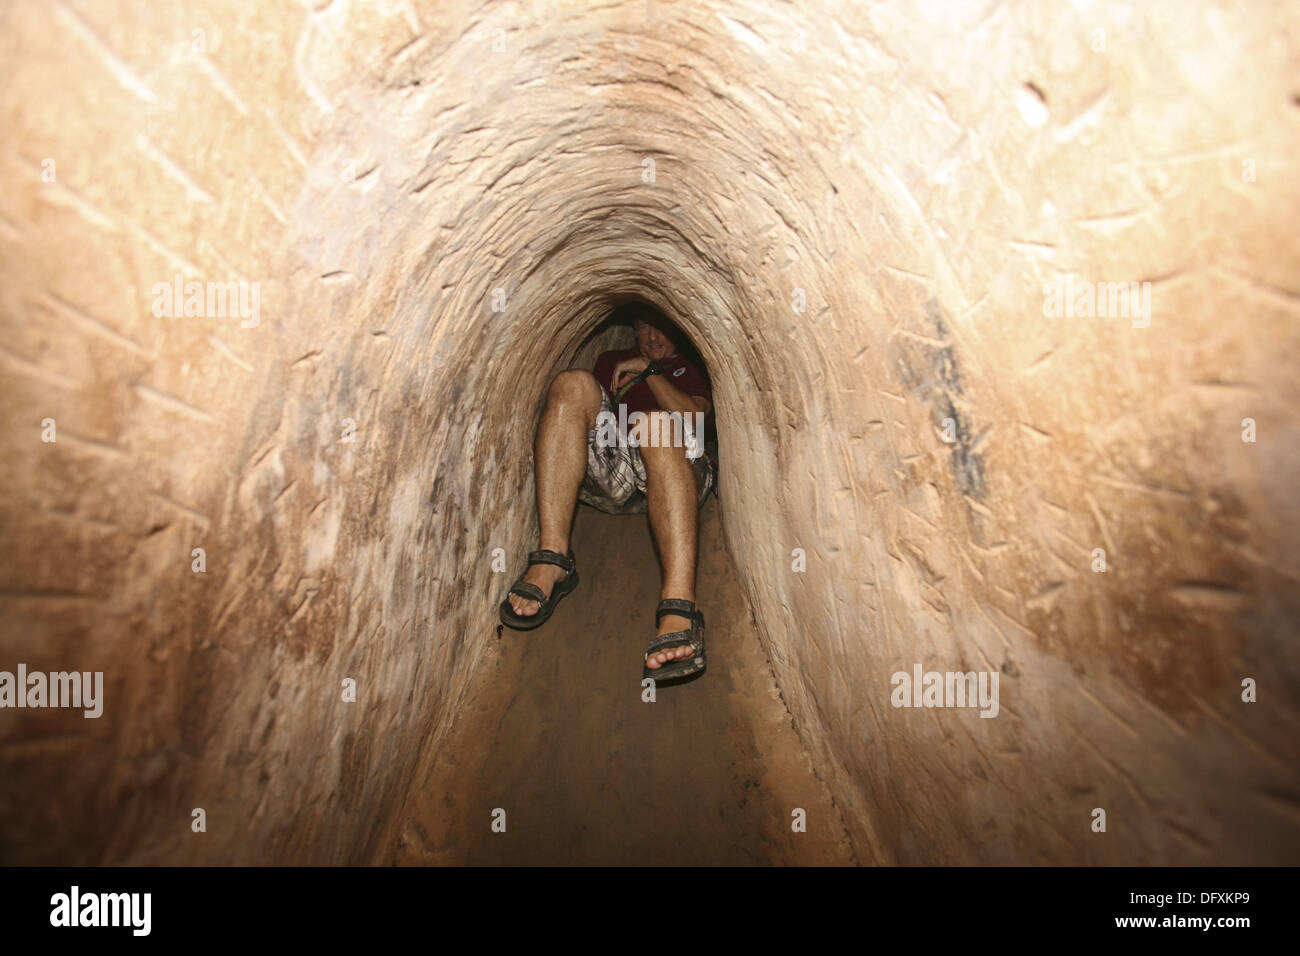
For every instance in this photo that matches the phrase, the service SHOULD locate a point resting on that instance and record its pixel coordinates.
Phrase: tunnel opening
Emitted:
(583, 764)
(615, 332)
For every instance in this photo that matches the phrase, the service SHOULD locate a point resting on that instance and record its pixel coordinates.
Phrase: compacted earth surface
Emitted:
(556, 745)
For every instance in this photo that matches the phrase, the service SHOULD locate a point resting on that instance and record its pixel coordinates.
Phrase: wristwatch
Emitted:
(652, 369)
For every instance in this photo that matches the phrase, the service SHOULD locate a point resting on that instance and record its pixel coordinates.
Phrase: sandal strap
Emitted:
(552, 557)
(530, 591)
(679, 607)
(675, 640)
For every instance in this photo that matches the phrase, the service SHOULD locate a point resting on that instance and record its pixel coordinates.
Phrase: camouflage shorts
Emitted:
(615, 481)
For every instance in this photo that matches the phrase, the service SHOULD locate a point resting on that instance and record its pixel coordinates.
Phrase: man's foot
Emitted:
(671, 624)
(545, 577)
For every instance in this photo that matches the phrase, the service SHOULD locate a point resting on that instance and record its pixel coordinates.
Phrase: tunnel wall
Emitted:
(858, 214)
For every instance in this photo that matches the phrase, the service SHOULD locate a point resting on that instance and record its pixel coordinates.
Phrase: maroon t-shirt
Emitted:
(639, 398)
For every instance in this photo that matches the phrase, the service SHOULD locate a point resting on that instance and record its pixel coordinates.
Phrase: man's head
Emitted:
(652, 338)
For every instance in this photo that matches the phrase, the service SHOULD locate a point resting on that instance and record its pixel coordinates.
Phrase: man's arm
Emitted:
(669, 396)
(601, 370)
(673, 399)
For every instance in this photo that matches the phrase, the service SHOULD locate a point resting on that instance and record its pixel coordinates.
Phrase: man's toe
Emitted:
(665, 656)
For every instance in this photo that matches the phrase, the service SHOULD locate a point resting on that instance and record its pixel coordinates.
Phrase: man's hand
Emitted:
(628, 368)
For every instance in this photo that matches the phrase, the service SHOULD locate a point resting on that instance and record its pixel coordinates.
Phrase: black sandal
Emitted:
(686, 666)
(533, 593)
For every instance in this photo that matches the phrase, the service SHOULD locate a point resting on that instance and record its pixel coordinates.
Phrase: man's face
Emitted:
(651, 342)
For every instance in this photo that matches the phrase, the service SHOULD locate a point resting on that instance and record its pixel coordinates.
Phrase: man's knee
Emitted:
(575, 383)
(576, 387)
(662, 441)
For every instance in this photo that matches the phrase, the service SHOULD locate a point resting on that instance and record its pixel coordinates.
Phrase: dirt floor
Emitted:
(556, 734)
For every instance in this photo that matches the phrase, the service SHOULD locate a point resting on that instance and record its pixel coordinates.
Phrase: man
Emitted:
(580, 453)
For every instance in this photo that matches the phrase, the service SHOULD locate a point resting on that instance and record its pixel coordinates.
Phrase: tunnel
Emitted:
(999, 304)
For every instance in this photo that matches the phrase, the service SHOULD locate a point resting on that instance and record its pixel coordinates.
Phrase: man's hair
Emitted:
(635, 313)
(641, 313)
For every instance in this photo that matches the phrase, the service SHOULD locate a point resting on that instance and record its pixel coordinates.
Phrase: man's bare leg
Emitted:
(560, 463)
(673, 502)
